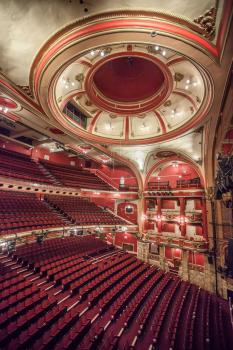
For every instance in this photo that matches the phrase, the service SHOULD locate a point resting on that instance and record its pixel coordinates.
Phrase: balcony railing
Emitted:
(164, 185)
(192, 183)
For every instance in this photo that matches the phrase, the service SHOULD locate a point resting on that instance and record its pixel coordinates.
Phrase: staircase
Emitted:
(104, 178)
(50, 176)
(127, 222)
(63, 216)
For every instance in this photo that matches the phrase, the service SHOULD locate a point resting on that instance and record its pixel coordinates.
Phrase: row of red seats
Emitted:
(140, 289)
(50, 250)
(112, 296)
(123, 303)
(19, 166)
(73, 177)
(24, 212)
(84, 212)
(16, 165)
(125, 307)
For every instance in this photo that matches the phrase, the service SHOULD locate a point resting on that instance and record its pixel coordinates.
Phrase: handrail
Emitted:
(104, 177)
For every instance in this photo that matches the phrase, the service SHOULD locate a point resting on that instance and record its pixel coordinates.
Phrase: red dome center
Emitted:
(128, 79)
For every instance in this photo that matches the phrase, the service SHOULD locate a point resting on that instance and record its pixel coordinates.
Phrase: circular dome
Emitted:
(128, 79)
(116, 86)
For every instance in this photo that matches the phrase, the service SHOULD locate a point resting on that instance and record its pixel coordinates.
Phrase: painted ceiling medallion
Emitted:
(133, 91)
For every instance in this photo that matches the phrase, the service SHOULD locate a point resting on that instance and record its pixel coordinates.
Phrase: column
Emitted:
(204, 219)
(140, 215)
(182, 215)
(159, 215)
(162, 256)
(209, 274)
(184, 269)
(143, 250)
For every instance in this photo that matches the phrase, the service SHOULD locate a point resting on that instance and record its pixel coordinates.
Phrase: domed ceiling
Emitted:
(131, 93)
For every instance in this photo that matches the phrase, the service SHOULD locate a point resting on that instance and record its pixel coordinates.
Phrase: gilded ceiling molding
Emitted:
(53, 96)
(207, 23)
(178, 26)
(26, 89)
(154, 15)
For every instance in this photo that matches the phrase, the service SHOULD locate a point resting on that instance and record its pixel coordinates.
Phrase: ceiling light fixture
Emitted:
(109, 126)
(144, 126)
(4, 109)
(154, 33)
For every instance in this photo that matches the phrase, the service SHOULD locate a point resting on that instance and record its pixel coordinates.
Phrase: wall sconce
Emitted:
(182, 220)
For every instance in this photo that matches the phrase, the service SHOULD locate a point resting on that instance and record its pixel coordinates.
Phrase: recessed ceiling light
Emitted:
(156, 48)
(92, 52)
(164, 53)
(4, 109)
(108, 126)
(102, 53)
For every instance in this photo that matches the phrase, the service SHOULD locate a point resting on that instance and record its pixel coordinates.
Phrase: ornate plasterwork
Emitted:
(179, 99)
(207, 23)
(64, 73)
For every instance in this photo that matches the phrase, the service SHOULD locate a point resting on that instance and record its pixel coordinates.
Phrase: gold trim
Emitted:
(160, 15)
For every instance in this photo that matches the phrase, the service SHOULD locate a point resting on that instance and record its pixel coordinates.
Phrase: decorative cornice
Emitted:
(207, 23)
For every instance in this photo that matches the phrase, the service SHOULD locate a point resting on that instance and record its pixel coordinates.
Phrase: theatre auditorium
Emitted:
(116, 175)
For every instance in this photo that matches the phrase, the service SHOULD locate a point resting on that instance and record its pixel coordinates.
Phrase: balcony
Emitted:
(158, 185)
(197, 243)
(192, 183)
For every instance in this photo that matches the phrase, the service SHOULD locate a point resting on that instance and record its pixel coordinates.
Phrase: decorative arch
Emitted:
(168, 160)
